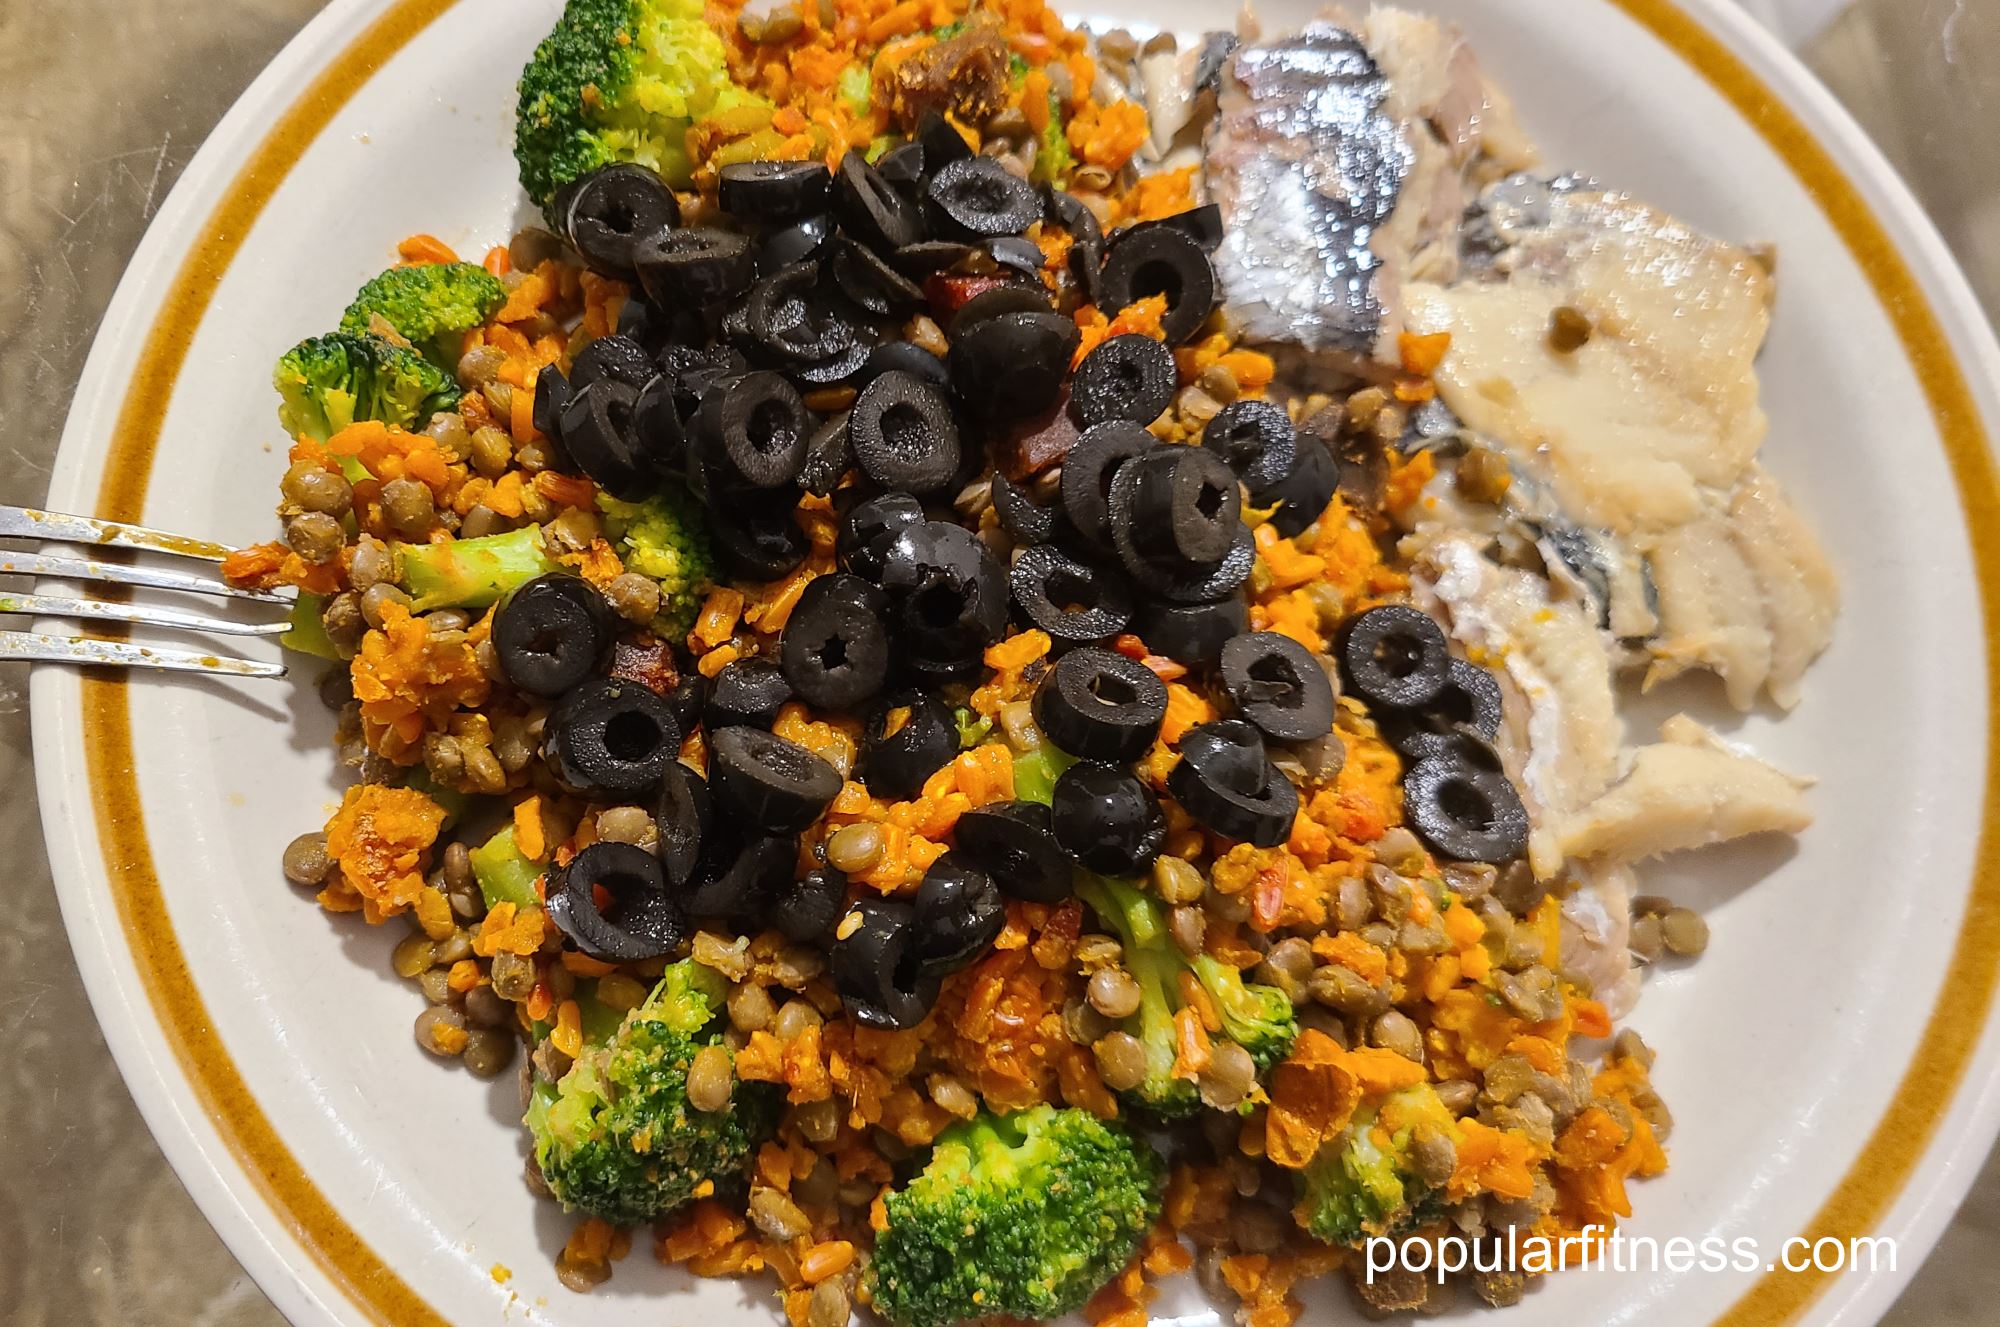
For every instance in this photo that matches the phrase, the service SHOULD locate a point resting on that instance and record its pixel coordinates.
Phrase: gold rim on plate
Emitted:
(1864, 1193)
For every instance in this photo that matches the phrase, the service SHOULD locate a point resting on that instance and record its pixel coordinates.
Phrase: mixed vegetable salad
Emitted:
(911, 734)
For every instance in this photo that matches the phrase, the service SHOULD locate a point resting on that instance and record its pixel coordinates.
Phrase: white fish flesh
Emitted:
(1688, 790)
(1343, 158)
(1641, 443)
(1549, 650)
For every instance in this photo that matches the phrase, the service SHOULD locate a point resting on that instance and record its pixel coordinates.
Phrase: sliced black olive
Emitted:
(686, 698)
(978, 197)
(697, 372)
(682, 818)
(1067, 211)
(756, 428)
(1013, 297)
(1278, 686)
(867, 279)
(656, 428)
(1099, 705)
(741, 881)
(1301, 496)
(746, 692)
(941, 142)
(828, 457)
(1088, 470)
(895, 761)
(1229, 752)
(870, 526)
(612, 738)
(958, 914)
(1159, 260)
(758, 541)
(618, 358)
(1106, 819)
(1464, 811)
(808, 240)
(768, 191)
(876, 969)
(1468, 705)
(903, 166)
(552, 394)
(787, 320)
(694, 269)
(949, 593)
(831, 372)
(1202, 224)
(643, 919)
(1225, 781)
(808, 910)
(613, 209)
(1071, 600)
(1187, 583)
(1177, 506)
(906, 357)
(835, 647)
(775, 784)
(1018, 254)
(552, 633)
(871, 209)
(1127, 377)
(599, 434)
(1020, 515)
(1394, 656)
(928, 256)
(1086, 268)
(1015, 843)
(903, 434)
(1257, 440)
(1193, 633)
(1013, 366)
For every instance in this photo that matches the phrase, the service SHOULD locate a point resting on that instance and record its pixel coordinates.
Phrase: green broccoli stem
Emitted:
(1156, 963)
(307, 634)
(1036, 772)
(472, 573)
(504, 875)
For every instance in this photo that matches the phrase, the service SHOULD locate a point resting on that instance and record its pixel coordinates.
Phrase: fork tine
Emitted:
(122, 654)
(158, 578)
(27, 523)
(103, 610)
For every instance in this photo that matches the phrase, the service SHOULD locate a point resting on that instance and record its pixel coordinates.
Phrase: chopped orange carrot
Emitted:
(418, 249)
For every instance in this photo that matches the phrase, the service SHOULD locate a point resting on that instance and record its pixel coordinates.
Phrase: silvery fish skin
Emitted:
(1305, 165)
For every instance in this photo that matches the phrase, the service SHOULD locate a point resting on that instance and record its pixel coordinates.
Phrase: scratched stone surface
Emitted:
(102, 102)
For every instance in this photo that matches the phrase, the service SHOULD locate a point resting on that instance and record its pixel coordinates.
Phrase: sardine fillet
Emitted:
(1658, 405)
(1689, 790)
(1596, 933)
(1552, 653)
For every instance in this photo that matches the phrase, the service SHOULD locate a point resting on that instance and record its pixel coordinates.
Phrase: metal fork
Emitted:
(26, 523)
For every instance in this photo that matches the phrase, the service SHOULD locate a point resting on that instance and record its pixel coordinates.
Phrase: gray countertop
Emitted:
(101, 105)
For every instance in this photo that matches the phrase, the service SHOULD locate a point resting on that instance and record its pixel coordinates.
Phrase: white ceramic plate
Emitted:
(1820, 1082)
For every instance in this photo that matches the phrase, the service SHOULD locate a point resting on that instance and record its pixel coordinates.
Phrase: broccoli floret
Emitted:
(328, 382)
(619, 80)
(665, 538)
(471, 573)
(617, 1138)
(1363, 1183)
(1257, 1018)
(1019, 1216)
(431, 305)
